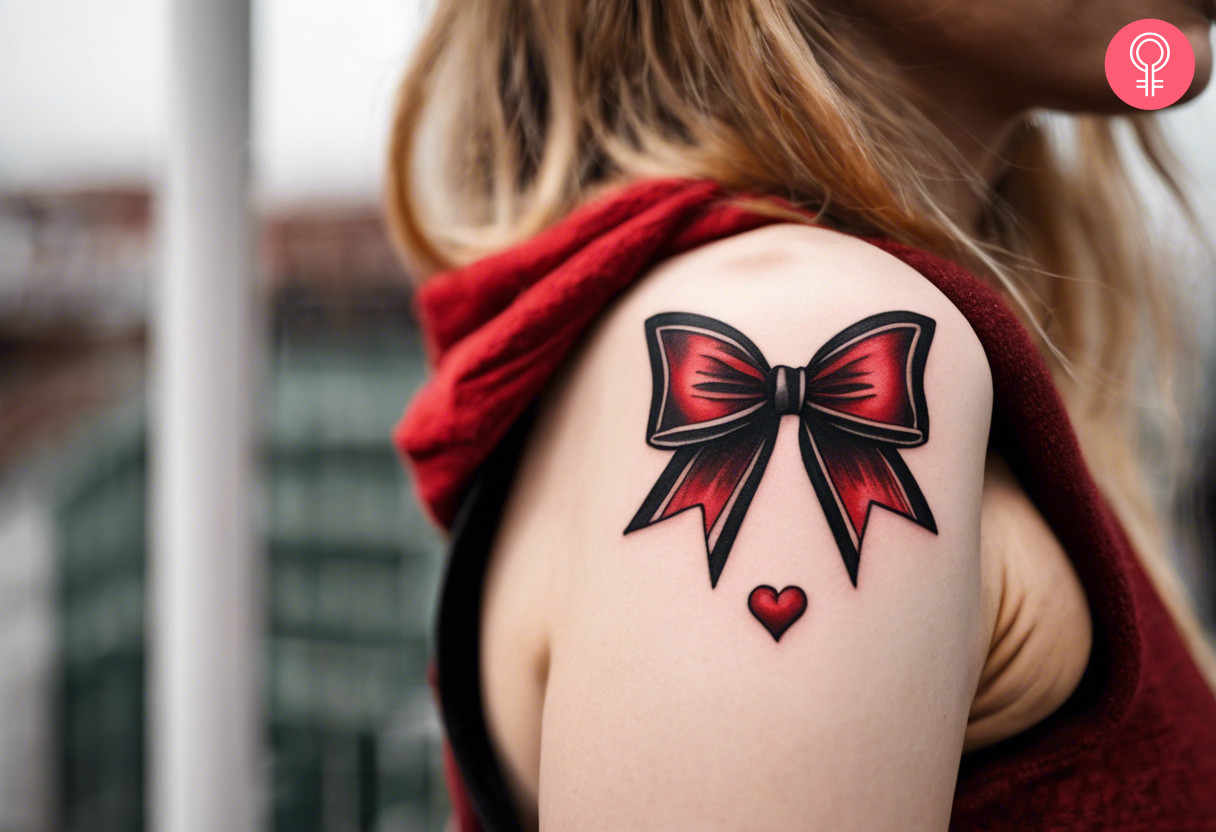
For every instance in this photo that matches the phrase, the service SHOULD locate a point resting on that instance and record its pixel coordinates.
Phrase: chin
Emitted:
(1088, 91)
(1199, 36)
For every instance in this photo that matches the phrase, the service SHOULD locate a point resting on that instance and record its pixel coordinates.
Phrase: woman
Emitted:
(866, 624)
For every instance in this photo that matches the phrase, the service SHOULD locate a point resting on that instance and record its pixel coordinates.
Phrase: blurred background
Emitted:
(350, 566)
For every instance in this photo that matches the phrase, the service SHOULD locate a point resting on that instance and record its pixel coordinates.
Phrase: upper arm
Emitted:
(668, 704)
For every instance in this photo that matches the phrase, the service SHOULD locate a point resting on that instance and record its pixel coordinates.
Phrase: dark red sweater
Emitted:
(1133, 749)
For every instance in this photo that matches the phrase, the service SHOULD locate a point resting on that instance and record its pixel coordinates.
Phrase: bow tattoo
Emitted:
(716, 403)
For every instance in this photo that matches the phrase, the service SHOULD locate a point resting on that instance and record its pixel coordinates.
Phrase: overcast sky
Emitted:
(81, 90)
(81, 94)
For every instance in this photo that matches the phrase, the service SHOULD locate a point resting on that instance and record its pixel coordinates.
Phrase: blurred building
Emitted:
(351, 565)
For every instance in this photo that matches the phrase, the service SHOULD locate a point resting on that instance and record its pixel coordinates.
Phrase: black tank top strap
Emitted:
(458, 636)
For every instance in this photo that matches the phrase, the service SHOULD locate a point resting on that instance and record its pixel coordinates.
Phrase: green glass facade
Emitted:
(352, 569)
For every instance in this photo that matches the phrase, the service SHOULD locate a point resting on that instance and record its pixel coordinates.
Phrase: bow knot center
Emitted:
(786, 389)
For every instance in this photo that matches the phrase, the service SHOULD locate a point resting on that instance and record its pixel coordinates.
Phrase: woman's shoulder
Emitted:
(1033, 605)
(791, 262)
(747, 523)
(795, 286)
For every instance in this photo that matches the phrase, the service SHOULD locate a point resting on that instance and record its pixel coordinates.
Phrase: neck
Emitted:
(979, 129)
(973, 112)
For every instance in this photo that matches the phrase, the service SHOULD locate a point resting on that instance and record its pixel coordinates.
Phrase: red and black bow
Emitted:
(717, 404)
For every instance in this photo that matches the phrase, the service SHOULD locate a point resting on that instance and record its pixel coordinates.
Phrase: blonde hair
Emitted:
(523, 109)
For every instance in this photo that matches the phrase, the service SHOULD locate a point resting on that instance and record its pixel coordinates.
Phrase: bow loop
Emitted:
(709, 380)
(868, 380)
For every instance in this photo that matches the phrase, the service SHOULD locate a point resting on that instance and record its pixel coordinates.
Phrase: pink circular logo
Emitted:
(1150, 64)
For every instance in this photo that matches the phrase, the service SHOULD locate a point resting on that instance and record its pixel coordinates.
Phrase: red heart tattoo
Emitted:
(777, 611)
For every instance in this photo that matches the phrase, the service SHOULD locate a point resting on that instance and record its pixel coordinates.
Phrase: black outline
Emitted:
(806, 602)
(920, 355)
(838, 521)
(658, 391)
(763, 426)
(734, 518)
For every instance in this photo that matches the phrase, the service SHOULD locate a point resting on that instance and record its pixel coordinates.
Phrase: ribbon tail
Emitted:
(851, 474)
(720, 477)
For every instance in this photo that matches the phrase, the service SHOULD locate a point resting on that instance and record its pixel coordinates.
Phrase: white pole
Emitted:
(204, 621)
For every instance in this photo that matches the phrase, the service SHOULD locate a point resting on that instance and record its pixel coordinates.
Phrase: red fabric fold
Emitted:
(497, 330)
